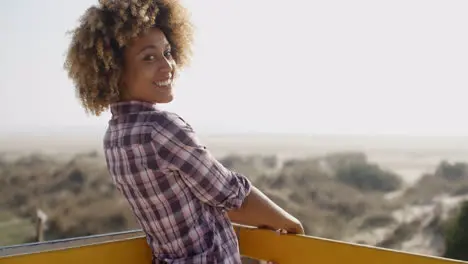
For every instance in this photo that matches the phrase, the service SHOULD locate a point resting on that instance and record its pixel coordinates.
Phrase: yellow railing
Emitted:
(131, 247)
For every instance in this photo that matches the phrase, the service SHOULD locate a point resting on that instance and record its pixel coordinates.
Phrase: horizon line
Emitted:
(89, 132)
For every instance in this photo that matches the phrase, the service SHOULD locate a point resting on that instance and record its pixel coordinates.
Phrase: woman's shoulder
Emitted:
(164, 119)
(145, 127)
(172, 125)
(168, 122)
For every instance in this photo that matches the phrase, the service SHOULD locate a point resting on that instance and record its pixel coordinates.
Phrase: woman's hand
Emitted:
(293, 226)
(258, 210)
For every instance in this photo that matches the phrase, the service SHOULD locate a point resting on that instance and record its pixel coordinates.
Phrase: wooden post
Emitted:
(41, 219)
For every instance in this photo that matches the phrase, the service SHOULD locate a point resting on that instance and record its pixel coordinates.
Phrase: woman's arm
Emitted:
(209, 181)
(258, 210)
(216, 185)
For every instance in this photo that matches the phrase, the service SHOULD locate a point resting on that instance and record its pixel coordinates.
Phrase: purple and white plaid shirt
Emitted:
(178, 192)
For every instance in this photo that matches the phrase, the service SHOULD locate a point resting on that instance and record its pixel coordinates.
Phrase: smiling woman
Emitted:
(108, 64)
(125, 56)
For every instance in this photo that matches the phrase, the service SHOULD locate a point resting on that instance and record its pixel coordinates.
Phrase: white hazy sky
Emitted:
(296, 66)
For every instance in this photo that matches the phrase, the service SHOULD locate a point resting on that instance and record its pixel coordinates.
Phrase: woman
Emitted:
(125, 55)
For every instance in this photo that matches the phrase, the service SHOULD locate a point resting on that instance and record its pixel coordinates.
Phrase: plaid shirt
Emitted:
(178, 192)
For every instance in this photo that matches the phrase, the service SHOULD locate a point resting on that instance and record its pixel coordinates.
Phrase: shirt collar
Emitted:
(128, 107)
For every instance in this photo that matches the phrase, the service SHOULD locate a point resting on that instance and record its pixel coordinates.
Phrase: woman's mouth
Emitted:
(163, 83)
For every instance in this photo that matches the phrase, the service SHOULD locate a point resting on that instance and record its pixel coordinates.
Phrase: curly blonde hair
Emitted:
(95, 56)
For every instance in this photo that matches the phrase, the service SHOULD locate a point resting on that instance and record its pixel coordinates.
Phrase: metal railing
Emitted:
(131, 247)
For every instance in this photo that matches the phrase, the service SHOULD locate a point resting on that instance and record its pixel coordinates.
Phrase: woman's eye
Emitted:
(149, 58)
(168, 53)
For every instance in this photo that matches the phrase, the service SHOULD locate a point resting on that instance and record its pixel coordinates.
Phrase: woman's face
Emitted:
(149, 69)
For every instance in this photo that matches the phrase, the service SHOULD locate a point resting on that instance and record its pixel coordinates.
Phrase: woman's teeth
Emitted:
(163, 83)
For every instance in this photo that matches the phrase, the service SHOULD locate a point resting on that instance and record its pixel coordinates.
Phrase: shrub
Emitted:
(452, 172)
(368, 177)
(456, 237)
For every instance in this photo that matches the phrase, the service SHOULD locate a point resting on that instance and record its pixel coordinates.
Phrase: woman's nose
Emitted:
(166, 65)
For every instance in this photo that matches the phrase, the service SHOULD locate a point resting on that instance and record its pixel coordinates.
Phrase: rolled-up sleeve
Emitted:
(212, 183)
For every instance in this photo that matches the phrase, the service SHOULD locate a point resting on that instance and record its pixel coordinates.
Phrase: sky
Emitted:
(308, 67)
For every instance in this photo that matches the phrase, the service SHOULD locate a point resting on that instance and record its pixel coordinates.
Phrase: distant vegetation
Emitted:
(78, 196)
(457, 235)
(452, 172)
(335, 196)
(368, 177)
